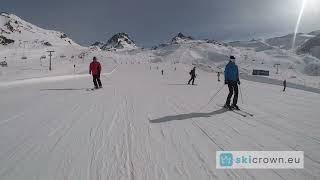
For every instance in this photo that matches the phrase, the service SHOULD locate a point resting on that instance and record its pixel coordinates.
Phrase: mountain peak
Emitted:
(119, 41)
(180, 38)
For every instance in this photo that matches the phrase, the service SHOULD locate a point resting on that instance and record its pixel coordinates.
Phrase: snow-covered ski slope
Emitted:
(143, 125)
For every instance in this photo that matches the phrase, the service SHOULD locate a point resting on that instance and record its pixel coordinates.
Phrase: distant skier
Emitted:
(231, 74)
(162, 72)
(218, 74)
(193, 75)
(95, 71)
(175, 68)
(284, 85)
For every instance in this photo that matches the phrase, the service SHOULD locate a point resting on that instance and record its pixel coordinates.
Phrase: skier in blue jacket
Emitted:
(231, 78)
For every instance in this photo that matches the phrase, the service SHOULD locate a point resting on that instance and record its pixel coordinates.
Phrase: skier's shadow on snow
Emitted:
(64, 89)
(182, 85)
(188, 116)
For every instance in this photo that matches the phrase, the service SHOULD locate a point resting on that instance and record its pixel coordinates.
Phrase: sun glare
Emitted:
(312, 6)
(298, 23)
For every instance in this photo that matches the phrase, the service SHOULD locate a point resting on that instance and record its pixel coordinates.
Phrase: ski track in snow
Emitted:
(141, 127)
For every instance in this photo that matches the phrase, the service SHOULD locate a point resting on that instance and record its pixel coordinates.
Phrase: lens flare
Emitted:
(298, 23)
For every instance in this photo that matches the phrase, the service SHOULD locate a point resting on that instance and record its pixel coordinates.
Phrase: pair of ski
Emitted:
(239, 112)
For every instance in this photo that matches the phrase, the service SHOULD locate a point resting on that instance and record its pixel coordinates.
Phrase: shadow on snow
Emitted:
(64, 89)
(182, 85)
(188, 116)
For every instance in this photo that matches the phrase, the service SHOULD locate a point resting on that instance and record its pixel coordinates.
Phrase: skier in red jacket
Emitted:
(95, 71)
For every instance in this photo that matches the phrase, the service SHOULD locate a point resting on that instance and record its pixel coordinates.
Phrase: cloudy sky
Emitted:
(150, 22)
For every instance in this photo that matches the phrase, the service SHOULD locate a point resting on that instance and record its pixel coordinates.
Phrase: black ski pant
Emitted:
(96, 81)
(233, 89)
(192, 79)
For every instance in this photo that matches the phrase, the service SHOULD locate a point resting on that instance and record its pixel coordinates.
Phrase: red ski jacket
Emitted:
(95, 68)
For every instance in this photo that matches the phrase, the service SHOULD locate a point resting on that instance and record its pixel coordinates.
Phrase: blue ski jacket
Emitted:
(231, 72)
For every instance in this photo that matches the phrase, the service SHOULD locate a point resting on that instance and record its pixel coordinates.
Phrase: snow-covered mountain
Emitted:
(180, 38)
(315, 33)
(303, 60)
(254, 54)
(119, 41)
(257, 45)
(282, 42)
(285, 42)
(16, 32)
(98, 44)
(24, 47)
(209, 55)
(197, 52)
(312, 46)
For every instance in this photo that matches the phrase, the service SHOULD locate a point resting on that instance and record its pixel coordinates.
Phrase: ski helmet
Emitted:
(232, 58)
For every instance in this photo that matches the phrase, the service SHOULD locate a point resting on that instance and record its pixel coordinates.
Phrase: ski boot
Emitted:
(235, 107)
(227, 106)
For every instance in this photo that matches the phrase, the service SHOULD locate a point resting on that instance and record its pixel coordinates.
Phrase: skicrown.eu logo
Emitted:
(226, 159)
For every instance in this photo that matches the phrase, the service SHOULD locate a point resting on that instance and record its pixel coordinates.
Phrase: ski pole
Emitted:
(211, 99)
(241, 94)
